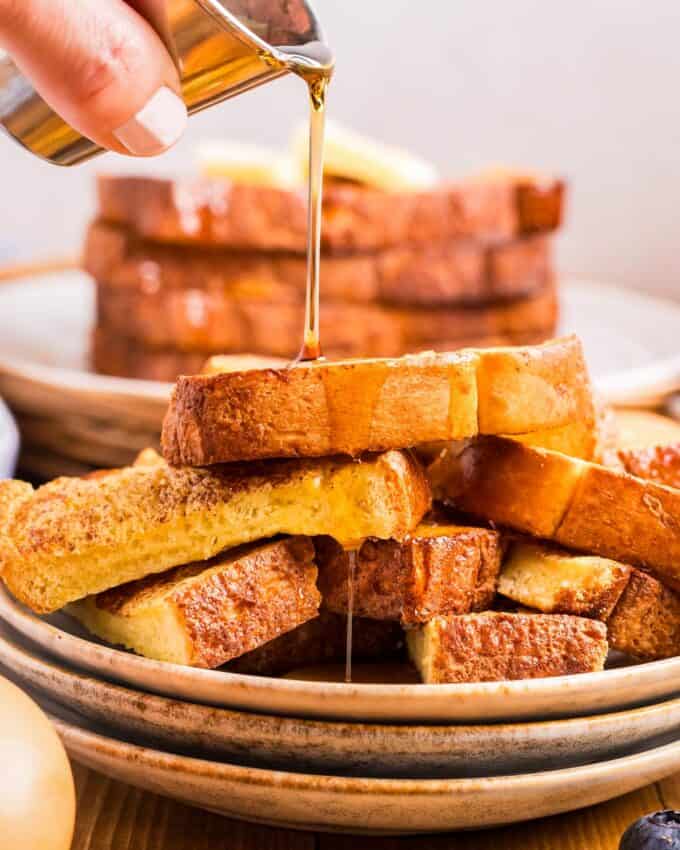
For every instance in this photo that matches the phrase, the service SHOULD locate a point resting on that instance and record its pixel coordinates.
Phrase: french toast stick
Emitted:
(646, 620)
(642, 615)
(496, 646)
(347, 407)
(440, 569)
(581, 505)
(76, 537)
(206, 613)
(556, 581)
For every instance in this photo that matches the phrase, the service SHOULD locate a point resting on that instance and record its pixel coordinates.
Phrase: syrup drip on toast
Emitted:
(351, 572)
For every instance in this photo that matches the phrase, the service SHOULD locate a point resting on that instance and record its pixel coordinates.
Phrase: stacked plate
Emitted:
(378, 758)
(373, 758)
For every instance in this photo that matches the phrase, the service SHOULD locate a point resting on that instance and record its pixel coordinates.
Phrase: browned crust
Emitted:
(353, 406)
(646, 620)
(74, 537)
(445, 570)
(581, 505)
(274, 590)
(657, 463)
(233, 603)
(495, 646)
(319, 641)
(218, 212)
(194, 321)
(448, 273)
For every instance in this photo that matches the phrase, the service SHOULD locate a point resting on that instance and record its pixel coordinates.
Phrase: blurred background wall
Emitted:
(587, 89)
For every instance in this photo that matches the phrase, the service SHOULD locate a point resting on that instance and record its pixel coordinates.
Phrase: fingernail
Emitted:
(157, 125)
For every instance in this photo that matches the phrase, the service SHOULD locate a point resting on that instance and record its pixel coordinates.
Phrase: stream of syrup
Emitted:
(311, 342)
(314, 63)
(351, 572)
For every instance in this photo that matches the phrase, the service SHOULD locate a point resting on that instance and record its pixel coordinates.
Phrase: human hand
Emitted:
(102, 66)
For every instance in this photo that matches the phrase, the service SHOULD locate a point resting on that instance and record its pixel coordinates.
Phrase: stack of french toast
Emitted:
(448, 505)
(216, 264)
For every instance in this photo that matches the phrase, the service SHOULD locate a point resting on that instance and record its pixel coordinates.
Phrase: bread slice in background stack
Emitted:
(192, 267)
(299, 491)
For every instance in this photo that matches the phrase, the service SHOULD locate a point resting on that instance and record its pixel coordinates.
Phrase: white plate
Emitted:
(355, 749)
(45, 324)
(370, 806)
(631, 339)
(563, 696)
(9, 442)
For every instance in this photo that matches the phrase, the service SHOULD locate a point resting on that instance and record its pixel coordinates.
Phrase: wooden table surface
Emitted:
(112, 816)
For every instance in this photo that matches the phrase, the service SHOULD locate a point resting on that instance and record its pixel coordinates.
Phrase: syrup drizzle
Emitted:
(311, 344)
(351, 572)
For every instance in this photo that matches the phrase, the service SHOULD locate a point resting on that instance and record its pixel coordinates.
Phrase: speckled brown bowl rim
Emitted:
(192, 766)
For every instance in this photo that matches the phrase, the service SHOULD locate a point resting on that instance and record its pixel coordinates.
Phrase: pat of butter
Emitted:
(351, 156)
(249, 164)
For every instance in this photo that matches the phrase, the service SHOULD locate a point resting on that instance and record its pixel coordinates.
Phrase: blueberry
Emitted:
(658, 831)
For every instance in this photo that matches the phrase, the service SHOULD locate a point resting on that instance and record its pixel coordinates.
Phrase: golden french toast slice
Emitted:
(440, 569)
(642, 615)
(581, 505)
(75, 537)
(555, 581)
(496, 646)
(646, 620)
(206, 613)
(349, 407)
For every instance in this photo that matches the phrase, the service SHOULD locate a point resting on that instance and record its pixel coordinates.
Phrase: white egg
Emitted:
(37, 796)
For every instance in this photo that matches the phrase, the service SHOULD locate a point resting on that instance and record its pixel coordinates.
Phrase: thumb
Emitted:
(102, 67)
